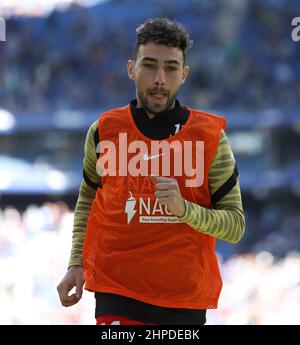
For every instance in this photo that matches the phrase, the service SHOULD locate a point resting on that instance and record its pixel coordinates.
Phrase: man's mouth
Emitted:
(158, 96)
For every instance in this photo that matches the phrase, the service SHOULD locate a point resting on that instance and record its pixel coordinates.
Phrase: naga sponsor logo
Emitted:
(130, 207)
(149, 211)
(184, 158)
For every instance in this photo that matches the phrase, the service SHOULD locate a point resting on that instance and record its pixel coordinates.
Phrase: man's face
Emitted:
(158, 73)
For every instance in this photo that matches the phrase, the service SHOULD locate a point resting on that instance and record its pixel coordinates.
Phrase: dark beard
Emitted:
(145, 104)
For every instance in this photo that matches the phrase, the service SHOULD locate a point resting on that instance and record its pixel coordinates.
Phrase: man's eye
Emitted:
(170, 68)
(148, 65)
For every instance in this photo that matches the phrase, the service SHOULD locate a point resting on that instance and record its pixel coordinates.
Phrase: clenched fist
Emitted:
(168, 192)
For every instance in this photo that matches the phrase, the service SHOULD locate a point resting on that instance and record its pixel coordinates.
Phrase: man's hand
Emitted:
(73, 277)
(167, 192)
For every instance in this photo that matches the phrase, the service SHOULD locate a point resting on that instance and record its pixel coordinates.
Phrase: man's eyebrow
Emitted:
(147, 58)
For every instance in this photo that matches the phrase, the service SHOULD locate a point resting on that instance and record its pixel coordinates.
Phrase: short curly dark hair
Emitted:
(163, 31)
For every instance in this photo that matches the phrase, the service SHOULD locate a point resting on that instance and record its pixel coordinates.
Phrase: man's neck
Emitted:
(152, 115)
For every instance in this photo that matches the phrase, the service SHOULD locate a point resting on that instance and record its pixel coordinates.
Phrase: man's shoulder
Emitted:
(93, 127)
(204, 113)
(207, 119)
(111, 112)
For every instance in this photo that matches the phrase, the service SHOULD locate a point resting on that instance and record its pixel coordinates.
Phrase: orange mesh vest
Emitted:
(135, 247)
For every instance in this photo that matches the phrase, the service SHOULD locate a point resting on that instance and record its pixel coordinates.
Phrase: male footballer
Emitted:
(160, 186)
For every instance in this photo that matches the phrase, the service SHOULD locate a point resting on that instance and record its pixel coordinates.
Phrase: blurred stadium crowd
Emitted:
(258, 288)
(243, 56)
(58, 72)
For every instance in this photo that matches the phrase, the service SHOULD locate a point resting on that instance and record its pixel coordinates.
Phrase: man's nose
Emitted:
(160, 77)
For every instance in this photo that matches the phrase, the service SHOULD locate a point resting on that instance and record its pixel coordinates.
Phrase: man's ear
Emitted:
(185, 74)
(130, 69)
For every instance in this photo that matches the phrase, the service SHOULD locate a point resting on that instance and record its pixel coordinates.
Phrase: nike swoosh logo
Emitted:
(147, 158)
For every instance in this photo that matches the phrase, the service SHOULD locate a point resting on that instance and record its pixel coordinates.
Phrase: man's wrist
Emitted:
(184, 208)
(75, 266)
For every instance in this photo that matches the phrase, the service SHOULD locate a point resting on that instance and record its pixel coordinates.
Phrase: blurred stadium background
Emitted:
(64, 62)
